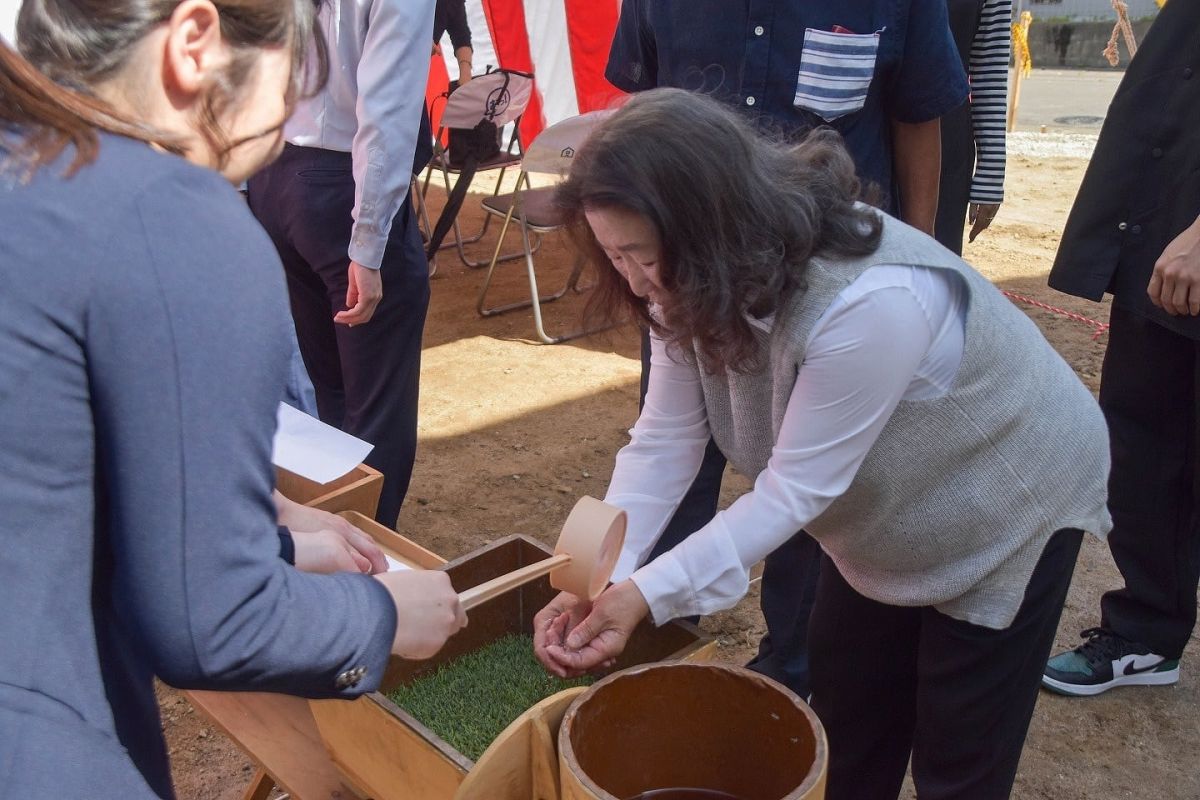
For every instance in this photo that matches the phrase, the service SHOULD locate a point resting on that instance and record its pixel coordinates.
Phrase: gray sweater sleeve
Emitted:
(186, 342)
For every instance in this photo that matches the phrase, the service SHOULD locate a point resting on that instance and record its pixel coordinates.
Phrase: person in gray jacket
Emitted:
(144, 349)
(853, 369)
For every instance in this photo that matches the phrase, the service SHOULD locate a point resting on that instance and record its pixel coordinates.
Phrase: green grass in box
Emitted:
(471, 700)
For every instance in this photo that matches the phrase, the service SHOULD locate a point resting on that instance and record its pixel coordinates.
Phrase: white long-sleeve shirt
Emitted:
(894, 334)
(371, 107)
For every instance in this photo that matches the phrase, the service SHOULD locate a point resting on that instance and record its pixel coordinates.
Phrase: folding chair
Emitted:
(534, 211)
(500, 97)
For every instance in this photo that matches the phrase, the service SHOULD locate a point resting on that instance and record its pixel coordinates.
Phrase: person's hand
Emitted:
(326, 552)
(980, 215)
(363, 293)
(427, 611)
(300, 519)
(1175, 283)
(572, 637)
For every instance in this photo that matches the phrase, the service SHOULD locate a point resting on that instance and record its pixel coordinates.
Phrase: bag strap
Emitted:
(466, 173)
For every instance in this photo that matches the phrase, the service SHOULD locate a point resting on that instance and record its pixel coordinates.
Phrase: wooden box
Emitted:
(357, 490)
(387, 755)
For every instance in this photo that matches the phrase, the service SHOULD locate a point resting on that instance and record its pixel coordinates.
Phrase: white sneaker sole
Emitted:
(1164, 678)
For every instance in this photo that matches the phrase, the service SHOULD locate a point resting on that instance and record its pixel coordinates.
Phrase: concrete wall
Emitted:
(1078, 44)
(1083, 9)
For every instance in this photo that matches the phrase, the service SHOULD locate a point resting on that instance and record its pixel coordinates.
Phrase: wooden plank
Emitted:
(279, 734)
(543, 757)
(522, 762)
(395, 545)
(380, 753)
(260, 787)
(357, 490)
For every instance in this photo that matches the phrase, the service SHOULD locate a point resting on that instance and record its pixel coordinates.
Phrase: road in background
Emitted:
(1064, 100)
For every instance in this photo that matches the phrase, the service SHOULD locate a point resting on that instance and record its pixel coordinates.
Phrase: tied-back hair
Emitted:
(68, 47)
(739, 217)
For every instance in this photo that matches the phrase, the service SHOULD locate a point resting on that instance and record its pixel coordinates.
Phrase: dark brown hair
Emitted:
(70, 46)
(739, 216)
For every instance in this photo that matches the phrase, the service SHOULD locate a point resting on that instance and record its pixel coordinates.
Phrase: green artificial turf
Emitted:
(469, 701)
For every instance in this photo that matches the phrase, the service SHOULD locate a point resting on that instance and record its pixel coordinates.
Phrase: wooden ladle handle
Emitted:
(499, 585)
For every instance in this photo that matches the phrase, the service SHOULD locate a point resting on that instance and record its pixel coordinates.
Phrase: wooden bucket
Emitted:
(704, 730)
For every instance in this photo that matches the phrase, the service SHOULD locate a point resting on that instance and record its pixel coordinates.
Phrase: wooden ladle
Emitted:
(583, 561)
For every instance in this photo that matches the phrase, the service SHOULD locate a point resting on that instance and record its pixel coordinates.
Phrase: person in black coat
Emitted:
(1134, 233)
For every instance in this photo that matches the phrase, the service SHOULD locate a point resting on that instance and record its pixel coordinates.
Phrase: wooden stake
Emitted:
(1022, 64)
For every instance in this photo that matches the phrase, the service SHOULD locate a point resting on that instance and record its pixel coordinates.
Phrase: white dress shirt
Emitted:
(895, 333)
(371, 107)
(8, 21)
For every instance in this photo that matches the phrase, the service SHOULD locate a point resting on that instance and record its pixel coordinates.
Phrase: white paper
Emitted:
(394, 565)
(8, 21)
(310, 448)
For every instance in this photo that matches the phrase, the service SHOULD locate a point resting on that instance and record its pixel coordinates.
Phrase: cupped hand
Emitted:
(301, 519)
(573, 637)
(427, 611)
(364, 290)
(326, 552)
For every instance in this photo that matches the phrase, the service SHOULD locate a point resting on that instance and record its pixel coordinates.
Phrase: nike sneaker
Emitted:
(1106, 660)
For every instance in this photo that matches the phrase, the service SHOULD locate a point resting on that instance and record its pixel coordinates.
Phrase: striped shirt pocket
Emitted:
(835, 72)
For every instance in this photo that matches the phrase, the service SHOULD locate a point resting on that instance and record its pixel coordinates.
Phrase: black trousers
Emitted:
(789, 577)
(1149, 392)
(366, 377)
(958, 168)
(890, 682)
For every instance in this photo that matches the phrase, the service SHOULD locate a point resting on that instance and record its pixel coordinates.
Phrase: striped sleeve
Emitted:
(988, 69)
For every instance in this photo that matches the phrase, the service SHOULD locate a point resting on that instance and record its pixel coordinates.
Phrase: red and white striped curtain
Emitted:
(564, 43)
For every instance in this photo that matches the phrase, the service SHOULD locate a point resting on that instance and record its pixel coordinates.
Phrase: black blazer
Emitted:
(1142, 187)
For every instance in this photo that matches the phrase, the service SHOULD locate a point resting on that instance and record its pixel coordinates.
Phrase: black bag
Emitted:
(482, 142)
(467, 149)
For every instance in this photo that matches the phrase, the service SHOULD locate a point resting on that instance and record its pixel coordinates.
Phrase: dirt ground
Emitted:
(513, 432)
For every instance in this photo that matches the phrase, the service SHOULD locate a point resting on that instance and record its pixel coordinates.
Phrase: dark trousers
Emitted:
(789, 578)
(890, 682)
(366, 377)
(1149, 394)
(958, 168)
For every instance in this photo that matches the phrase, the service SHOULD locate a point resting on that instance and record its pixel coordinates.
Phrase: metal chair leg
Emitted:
(480, 307)
(535, 297)
(459, 241)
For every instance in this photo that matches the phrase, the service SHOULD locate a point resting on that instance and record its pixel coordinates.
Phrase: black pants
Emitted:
(890, 682)
(789, 578)
(366, 377)
(958, 168)
(1149, 392)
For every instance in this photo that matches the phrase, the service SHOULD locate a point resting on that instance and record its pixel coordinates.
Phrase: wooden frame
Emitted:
(357, 490)
(386, 754)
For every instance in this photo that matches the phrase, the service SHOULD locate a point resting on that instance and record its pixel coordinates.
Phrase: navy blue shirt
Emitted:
(854, 65)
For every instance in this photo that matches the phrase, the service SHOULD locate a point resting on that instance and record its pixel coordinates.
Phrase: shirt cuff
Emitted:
(667, 588)
(986, 196)
(287, 546)
(366, 248)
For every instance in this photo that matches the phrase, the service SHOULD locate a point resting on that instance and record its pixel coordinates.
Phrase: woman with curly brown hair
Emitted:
(144, 345)
(881, 394)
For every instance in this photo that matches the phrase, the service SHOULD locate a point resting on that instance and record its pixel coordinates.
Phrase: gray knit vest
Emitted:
(955, 501)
